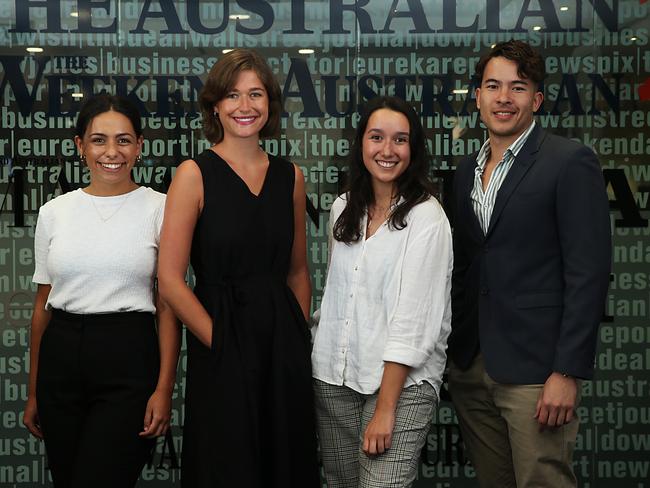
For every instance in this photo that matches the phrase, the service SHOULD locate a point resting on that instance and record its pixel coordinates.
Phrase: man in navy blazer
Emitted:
(532, 256)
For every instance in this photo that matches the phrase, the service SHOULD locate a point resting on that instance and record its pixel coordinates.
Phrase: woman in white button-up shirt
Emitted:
(379, 349)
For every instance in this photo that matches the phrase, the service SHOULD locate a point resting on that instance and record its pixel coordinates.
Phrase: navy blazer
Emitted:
(530, 293)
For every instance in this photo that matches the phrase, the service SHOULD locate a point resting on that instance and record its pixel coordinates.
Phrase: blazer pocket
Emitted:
(539, 299)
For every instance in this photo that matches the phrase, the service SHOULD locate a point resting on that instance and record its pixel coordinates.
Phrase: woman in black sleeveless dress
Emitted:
(238, 215)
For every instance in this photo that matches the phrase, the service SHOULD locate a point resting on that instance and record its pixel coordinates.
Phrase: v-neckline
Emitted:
(367, 237)
(238, 176)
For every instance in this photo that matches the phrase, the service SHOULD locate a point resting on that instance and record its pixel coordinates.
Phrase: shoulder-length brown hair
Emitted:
(221, 80)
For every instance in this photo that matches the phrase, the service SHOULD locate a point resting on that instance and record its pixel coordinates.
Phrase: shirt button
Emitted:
(356, 268)
(351, 295)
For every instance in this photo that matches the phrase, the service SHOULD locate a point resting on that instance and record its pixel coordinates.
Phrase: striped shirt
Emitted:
(483, 201)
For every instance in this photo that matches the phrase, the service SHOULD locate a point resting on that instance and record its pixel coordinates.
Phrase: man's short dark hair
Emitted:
(530, 63)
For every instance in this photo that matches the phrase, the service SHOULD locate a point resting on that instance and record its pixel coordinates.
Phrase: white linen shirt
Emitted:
(386, 298)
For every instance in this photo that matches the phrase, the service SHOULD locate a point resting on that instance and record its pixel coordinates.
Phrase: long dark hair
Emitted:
(413, 185)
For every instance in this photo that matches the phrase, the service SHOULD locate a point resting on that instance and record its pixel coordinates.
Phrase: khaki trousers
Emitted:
(502, 436)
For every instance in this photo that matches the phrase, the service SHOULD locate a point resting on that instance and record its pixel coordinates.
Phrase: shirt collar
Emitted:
(512, 151)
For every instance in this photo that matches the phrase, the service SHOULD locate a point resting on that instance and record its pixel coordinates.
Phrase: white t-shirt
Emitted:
(387, 298)
(99, 253)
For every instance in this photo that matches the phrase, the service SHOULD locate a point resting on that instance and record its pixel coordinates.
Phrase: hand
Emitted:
(379, 433)
(556, 402)
(30, 417)
(157, 414)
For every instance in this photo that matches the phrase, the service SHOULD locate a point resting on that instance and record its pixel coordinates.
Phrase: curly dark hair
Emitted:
(222, 78)
(413, 185)
(530, 63)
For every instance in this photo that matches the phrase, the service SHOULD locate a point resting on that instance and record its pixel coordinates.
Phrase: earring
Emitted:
(138, 159)
(82, 160)
(216, 114)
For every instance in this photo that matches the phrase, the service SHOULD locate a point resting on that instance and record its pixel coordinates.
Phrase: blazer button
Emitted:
(484, 290)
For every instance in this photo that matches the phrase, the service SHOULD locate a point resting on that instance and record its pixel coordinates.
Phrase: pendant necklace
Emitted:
(106, 219)
(392, 205)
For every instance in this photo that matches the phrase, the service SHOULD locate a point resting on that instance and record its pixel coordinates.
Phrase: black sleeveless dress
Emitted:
(249, 418)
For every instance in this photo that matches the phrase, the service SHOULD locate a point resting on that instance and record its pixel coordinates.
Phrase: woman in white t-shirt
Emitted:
(379, 349)
(101, 379)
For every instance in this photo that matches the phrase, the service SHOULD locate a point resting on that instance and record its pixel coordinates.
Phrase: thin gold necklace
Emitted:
(106, 219)
(393, 203)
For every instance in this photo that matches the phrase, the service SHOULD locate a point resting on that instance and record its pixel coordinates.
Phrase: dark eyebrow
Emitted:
(122, 134)
(521, 81)
(381, 132)
(250, 89)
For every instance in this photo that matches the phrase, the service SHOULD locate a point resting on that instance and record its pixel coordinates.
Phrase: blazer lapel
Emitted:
(524, 160)
(468, 185)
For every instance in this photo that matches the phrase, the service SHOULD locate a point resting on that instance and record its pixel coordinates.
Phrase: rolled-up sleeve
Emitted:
(424, 292)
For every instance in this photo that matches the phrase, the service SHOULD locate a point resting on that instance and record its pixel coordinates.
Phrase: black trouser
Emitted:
(95, 376)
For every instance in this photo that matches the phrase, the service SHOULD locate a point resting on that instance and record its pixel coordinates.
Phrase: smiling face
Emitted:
(244, 110)
(110, 147)
(506, 101)
(385, 148)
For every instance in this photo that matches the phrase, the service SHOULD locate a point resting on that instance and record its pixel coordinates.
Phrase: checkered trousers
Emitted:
(343, 415)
